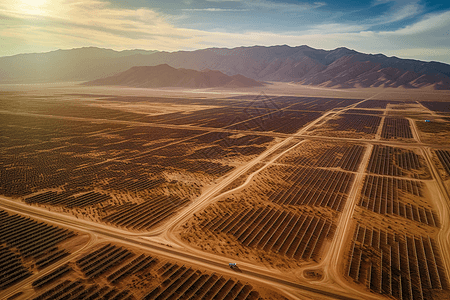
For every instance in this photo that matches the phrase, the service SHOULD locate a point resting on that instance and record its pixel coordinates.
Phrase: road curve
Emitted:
(254, 274)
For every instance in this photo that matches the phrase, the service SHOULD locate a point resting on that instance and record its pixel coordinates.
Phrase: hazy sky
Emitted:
(407, 29)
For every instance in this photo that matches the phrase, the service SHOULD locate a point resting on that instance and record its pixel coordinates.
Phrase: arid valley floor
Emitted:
(121, 193)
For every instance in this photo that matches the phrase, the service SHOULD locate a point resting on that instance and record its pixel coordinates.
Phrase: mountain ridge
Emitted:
(337, 68)
(166, 76)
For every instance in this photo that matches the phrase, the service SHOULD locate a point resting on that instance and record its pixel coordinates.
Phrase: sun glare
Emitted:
(34, 7)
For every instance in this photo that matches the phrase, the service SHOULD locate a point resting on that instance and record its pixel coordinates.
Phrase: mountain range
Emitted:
(338, 68)
(166, 76)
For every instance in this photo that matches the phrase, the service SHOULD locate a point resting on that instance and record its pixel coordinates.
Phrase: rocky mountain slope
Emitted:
(166, 76)
(341, 67)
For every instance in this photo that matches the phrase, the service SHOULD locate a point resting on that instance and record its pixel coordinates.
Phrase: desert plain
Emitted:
(314, 193)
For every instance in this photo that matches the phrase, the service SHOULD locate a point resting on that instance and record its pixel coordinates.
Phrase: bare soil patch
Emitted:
(125, 272)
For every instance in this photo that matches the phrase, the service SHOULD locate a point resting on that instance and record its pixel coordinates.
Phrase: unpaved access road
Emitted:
(163, 242)
(177, 254)
(180, 253)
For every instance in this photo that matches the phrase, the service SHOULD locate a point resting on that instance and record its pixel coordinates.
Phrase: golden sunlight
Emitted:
(33, 7)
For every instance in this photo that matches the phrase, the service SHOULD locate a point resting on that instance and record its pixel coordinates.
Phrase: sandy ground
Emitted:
(146, 109)
(140, 283)
(275, 88)
(325, 274)
(231, 246)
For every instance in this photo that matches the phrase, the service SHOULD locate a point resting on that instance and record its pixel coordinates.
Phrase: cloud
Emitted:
(336, 28)
(427, 39)
(286, 7)
(221, 1)
(81, 23)
(254, 5)
(394, 15)
(431, 22)
(77, 23)
(421, 52)
(212, 9)
(399, 13)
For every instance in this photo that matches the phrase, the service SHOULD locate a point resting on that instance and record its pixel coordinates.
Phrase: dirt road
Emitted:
(179, 254)
(162, 241)
(442, 203)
